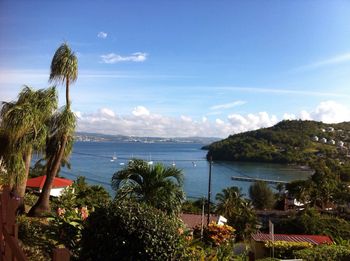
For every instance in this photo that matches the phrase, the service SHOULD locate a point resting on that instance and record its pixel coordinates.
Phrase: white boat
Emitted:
(173, 164)
(150, 162)
(194, 164)
(114, 157)
(121, 163)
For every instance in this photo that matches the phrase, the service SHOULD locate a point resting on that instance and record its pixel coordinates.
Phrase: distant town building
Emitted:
(323, 130)
(340, 143)
(323, 140)
(331, 129)
(332, 142)
(315, 138)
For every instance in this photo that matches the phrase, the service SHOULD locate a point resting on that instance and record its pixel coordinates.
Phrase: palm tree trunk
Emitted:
(42, 206)
(67, 93)
(20, 188)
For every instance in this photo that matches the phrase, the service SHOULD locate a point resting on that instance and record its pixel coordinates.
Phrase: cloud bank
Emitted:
(102, 35)
(116, 58)
(142, 122)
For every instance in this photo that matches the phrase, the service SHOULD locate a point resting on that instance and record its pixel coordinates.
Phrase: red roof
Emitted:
(38, 182)
(313, 239)
(193, 220)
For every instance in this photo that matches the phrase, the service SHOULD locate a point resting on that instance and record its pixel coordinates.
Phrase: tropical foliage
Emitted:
(25, 123)
(322, 188)
(325, 253)
(261, 195)
(313, 223)
(285, 249)
(286, 142)
(127, 230)
(155, 185)
(64, 69)
(238, 211)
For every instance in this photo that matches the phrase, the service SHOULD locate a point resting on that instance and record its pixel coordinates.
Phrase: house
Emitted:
(258, 241)
(323, 140)
(330, 129)
(340, 143)
(332, 142)
(315, 138)
(195, 220)
(58, 185)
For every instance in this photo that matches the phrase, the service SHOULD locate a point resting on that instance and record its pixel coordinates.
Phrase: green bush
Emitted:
(127, 230)
(325, 253)
(35, 238)
(313, 223)
(285, 249)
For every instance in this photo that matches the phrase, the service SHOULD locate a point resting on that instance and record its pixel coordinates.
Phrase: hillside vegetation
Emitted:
(288, 141)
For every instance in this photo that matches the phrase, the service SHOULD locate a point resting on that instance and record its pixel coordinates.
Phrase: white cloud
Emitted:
(281, 91)
(289, 116)
(107, 112)
(331, 112)
(219, 121)
(342, 58)
(102, 35)
(227, 105)
(186, 118)
(140, 111)
(241, 123)
(141, 122)
(116, 58)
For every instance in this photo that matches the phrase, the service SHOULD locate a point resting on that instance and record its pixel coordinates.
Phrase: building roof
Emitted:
(39, 182)
(193, 220)
(313, 239)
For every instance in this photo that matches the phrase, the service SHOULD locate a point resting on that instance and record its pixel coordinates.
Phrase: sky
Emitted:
(184, 68)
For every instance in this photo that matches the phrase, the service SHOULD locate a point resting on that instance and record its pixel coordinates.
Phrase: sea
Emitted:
(98, 161)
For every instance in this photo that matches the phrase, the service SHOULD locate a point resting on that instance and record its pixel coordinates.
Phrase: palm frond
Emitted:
(64, 65)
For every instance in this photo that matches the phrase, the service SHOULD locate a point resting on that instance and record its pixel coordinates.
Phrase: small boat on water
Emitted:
(194, 164)
(173, 164)
(114, 157)
(150, 162)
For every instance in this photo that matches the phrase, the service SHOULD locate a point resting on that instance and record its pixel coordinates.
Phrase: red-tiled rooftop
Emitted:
(313, 239)
(39, 182)
(193, 220)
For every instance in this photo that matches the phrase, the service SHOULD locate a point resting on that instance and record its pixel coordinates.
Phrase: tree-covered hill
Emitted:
(287, 142)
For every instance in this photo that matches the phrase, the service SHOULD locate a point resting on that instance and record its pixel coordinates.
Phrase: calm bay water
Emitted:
(93, 160)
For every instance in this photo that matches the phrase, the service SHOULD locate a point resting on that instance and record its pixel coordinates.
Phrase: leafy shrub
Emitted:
(312, 223)
(216, 235)
(128, 230)
(67, 226)
(35, 238)
(284, 249)
(325, 253)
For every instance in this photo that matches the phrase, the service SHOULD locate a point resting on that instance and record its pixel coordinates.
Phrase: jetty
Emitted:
(249, 179)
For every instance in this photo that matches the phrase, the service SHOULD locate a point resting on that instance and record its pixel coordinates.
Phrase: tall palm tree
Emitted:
(156, 185)
(64, 69)
(24, 124)
(229, 201)
(238, 211)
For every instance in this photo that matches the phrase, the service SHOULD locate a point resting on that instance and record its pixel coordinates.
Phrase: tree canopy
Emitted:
(156, 185)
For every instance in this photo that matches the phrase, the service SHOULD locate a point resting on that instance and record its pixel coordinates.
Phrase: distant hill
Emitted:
(97, 137)
(287, 142)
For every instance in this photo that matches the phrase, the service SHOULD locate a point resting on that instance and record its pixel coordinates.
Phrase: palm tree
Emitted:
(229, 201)
(64, 69)
(238, 211)
(156, 185)
(24, 124)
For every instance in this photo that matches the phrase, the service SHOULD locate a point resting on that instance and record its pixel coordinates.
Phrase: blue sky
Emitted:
(184, 68)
